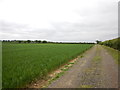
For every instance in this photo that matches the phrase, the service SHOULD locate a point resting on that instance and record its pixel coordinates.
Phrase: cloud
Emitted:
(59, 20)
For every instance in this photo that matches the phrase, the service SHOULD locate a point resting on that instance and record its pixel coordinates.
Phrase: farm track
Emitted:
(97, 69)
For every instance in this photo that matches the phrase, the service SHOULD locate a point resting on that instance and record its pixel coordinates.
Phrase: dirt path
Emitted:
(95, 70)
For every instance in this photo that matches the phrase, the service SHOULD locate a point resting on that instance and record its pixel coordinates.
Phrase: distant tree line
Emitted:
(114, 43)
(25, 41)
(44, 41)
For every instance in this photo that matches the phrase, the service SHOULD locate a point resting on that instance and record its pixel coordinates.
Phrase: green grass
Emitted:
(71, 63)
(115, 54)
(23, 63)
(56, 77)
(97, 59)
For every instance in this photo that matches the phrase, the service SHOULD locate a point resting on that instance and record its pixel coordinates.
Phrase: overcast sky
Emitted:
(59, 20)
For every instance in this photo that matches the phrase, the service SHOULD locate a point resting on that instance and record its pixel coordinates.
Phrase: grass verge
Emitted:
(115, 54)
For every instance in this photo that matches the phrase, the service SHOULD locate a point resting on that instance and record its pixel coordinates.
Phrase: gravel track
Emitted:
(97, 69)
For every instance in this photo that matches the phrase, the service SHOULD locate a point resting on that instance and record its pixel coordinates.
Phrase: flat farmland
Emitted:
(22, 63)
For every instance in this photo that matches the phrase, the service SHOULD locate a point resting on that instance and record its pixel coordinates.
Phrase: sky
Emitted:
(59, 20)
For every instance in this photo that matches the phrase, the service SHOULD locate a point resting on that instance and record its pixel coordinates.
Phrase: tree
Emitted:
(19, 41)
(44, 41)
(28, 41)
(39, 41)
(97, 41)
(36, 41)
(4, 40)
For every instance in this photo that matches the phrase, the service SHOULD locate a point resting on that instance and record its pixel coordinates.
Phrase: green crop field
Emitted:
(22, 63)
